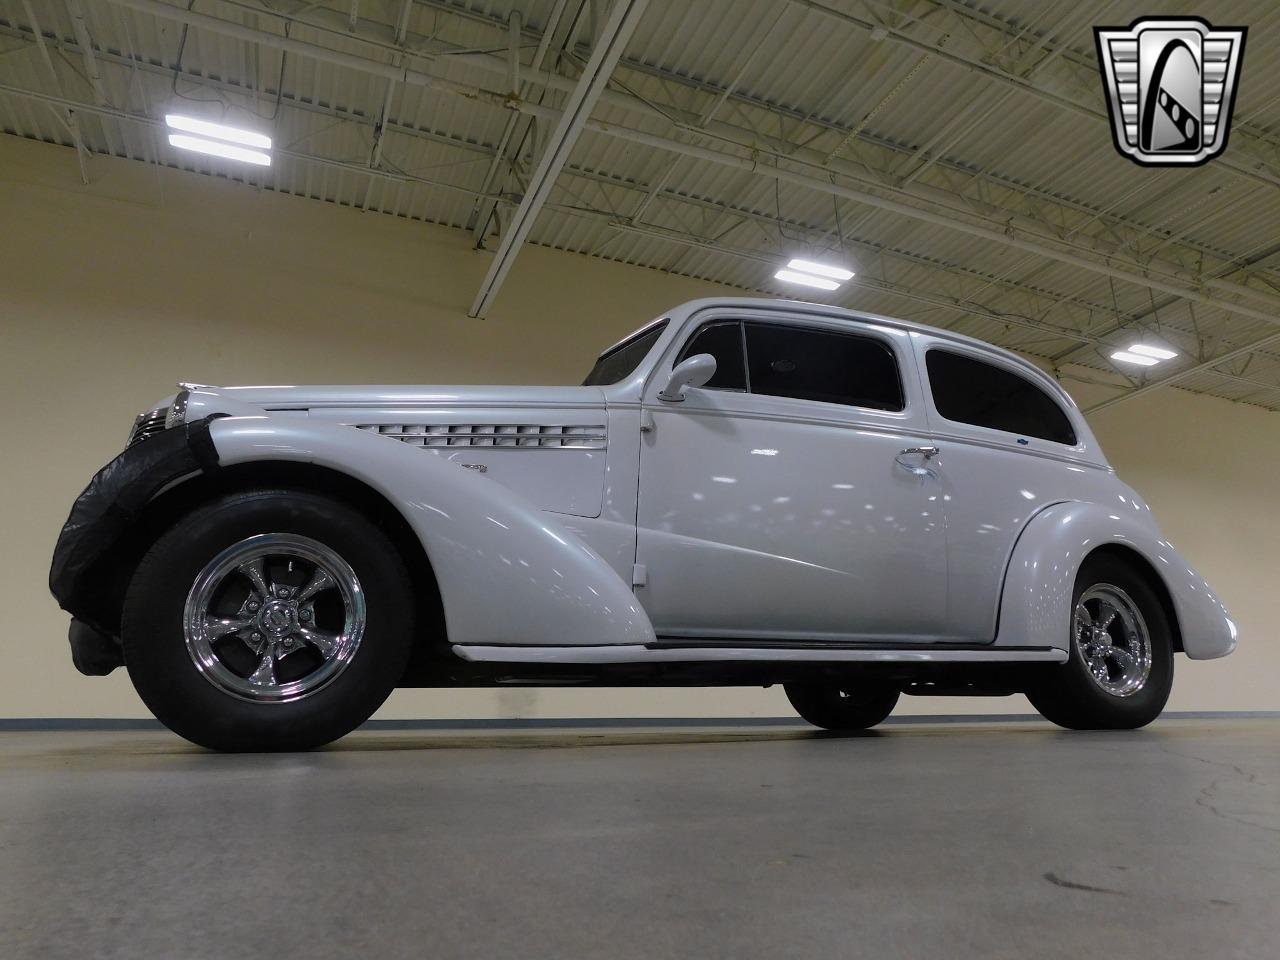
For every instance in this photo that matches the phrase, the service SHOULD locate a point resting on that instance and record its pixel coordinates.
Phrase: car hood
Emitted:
(546, 443)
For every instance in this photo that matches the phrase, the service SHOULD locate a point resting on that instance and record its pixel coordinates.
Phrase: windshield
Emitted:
(618, 362)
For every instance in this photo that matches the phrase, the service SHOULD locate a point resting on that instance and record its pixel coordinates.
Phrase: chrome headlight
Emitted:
(177, 412)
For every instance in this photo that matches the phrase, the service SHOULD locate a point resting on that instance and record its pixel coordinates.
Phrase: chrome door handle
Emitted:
(914, 469)
(926, 452)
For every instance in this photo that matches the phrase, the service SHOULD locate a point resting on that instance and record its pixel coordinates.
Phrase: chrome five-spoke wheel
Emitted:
(274, 618)
(1113, 640)
(1120, 670)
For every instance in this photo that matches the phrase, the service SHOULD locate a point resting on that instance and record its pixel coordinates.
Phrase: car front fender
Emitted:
(508, 573)
(1036, 603)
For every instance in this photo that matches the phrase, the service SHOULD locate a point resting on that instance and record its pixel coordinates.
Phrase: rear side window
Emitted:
(724, 342)
(809, 364)
(971, 391)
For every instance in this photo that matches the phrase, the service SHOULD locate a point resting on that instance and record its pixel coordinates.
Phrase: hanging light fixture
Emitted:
(219, 139)
(811, 273)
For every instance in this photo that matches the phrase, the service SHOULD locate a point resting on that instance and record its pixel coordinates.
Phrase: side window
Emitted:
(971, 391)
(723, 341)
(810, 364)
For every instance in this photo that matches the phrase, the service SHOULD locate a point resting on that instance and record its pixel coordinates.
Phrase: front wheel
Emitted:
(1120, 668)
(268, 620)
(842, 706)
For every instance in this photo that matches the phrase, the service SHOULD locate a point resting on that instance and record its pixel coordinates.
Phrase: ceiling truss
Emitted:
(1216, 299)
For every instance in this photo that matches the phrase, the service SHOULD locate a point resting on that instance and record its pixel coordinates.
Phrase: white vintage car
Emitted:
(741, 492)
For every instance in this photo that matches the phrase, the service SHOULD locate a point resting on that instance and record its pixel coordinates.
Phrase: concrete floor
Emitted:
(947, 841)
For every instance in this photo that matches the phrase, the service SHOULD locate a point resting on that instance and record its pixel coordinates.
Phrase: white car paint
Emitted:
(730, 516)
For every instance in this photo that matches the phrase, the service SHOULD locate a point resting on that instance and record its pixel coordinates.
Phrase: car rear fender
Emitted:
(1036, 603)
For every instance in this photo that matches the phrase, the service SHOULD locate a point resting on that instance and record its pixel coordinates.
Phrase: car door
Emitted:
(1010, 445)
(779, 501)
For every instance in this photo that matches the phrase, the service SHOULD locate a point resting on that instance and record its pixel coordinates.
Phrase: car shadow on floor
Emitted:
(578, 739)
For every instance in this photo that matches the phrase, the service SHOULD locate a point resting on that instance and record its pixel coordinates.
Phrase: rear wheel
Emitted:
(1120, 669)
(842, 706)
(268, 620)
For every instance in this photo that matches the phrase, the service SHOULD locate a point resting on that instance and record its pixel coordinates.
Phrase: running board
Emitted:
(635, 653)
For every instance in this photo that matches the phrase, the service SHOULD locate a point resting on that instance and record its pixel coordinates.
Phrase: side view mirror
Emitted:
(692, 372)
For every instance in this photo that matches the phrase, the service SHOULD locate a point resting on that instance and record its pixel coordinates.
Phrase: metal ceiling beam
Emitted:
(822, 179)
(147, 121)
(614, 35)
(1114, 401)
(1155, 308)
(1024, 84)
(1086, 64)
(516, 127)
(795, 115)
(1156, 275)
(302, 48)
(375, 156)
(1008, 239)
(927, 193)
(963, 308)
(67, 117)
(489, 198)
(1001, 233)
(80, 26)
(1176, 378)
(1003, 219)
(287, 99)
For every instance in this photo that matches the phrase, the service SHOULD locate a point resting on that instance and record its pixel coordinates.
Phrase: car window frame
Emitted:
(1017, 441)
(660, 326)
(901, 354)
(742, 345)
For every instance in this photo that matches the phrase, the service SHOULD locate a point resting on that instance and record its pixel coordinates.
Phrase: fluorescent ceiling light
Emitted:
(213, 147)
(218, 131)
(1125, 357)
(1147, 350)
(821, 269)
(807, 280)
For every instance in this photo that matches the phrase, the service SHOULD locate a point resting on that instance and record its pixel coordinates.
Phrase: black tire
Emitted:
(1068, 695)
(842, 707)
(164, 672)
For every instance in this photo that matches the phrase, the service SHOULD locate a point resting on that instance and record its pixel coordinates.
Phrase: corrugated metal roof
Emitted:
(986, 113)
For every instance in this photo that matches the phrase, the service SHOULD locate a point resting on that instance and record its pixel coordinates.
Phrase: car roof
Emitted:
(829, 312)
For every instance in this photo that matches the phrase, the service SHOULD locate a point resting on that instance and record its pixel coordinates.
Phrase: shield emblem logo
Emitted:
(1170, 84)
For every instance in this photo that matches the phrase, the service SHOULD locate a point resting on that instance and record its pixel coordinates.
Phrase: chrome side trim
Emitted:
(501, 435)
(427, 405)
(639, 654)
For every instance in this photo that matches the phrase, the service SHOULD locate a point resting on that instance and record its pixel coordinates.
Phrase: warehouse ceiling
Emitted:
(957, 155)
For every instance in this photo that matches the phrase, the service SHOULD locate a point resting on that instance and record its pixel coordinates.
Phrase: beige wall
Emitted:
(111, 292)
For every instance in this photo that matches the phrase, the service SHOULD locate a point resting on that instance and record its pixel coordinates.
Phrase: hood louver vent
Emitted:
(575, 437)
